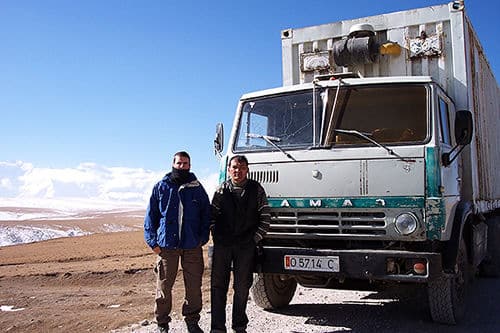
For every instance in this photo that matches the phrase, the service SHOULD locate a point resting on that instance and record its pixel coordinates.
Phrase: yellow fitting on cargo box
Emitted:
(390, 49)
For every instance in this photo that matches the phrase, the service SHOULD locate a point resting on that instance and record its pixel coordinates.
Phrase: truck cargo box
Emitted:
(437, 41)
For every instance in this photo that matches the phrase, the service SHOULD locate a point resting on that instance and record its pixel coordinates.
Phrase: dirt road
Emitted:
(104, 282)
(321, 311)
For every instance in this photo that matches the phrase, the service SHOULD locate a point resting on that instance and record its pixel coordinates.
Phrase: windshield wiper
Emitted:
(270, 140)
(366, 137)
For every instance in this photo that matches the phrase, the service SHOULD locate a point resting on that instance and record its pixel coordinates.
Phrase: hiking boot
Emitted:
(240, 330)
(163, 328)
(194, 328)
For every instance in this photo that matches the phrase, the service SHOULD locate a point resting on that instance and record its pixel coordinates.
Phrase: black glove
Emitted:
(259, 250)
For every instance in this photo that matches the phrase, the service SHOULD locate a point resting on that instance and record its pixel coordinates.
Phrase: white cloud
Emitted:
(88, 184)
(210, 183)
(5, 183)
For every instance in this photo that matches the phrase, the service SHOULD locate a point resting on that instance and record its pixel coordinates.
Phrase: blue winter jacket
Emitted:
(178, 217)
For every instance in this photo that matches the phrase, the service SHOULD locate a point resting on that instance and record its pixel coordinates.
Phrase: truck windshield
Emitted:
(389, 114)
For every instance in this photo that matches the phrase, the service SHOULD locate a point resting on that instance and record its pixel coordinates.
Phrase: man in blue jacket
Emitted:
(176, 226)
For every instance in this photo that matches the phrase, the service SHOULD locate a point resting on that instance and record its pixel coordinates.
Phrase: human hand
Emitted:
(157, 250)
(259, 250)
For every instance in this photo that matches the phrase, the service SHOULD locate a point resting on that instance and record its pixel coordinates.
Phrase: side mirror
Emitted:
(463, 135)
(463, 127)
(219, 139)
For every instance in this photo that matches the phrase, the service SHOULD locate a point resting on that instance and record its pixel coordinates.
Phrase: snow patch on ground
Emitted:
(118, 228)
(29, 234)
(9, 308)
(24, 216)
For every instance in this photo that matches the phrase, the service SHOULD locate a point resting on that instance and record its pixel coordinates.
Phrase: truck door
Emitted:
(449, 174)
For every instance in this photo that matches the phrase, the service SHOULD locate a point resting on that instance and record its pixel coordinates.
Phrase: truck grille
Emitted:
(265, 177)
(327, 223)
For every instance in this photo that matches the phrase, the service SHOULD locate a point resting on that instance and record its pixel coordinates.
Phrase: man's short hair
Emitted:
(239, 158)
(182, 154)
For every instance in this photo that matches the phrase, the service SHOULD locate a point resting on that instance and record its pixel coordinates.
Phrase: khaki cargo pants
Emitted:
(166, 271)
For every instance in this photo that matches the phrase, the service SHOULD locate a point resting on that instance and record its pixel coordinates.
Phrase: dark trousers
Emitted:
(242, 259)
(166, 272)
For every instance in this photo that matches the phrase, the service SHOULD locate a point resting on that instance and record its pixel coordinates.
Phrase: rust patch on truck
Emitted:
(435, 216)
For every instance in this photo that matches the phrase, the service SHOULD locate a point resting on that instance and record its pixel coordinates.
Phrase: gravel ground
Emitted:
(324, 311)
(266, 321)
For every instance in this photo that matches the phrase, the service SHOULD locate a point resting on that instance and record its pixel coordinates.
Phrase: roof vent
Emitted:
(361, 30)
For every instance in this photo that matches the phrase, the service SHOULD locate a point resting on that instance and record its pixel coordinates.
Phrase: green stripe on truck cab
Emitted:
(435, 211)
(223, 169)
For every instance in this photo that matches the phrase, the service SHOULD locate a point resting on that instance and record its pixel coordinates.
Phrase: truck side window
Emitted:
(255, 124)
(444, 121)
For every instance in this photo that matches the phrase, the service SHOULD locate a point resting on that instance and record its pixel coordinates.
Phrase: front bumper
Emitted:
(354, 264)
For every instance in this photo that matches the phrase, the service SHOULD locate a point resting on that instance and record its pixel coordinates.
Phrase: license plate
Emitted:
(312, 263)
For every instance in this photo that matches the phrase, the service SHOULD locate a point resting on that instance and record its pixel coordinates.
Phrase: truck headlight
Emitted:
(406, 223)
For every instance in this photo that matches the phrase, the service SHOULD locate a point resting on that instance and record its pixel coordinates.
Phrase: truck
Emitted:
(379, 158)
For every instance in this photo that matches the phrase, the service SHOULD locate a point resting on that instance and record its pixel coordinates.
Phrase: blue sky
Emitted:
(124, 84)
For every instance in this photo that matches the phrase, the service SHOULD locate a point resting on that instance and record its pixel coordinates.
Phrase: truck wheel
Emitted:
(490, 266)
(272, 291)
(447, 293)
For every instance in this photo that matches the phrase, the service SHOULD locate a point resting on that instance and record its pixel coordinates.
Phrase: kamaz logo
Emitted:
(347, 203)
(312, 203)
(315, 203)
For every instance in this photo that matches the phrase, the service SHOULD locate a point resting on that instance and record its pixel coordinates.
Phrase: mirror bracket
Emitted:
(219, 140)
(447, 159)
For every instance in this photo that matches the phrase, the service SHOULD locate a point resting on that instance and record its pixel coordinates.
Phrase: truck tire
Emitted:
(272, 291)
(447, 293)
(490, 267)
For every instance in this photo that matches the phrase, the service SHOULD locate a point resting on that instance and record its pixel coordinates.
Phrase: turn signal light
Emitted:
(419, 268)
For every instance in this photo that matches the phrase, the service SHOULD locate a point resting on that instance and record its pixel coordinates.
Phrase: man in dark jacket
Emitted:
(240, 217)
(177, 226)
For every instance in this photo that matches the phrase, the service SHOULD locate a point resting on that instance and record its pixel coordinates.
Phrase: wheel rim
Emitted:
(280, 284)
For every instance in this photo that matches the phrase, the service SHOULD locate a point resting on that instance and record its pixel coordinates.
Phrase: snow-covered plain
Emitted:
(30, 224)
(29, 234)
